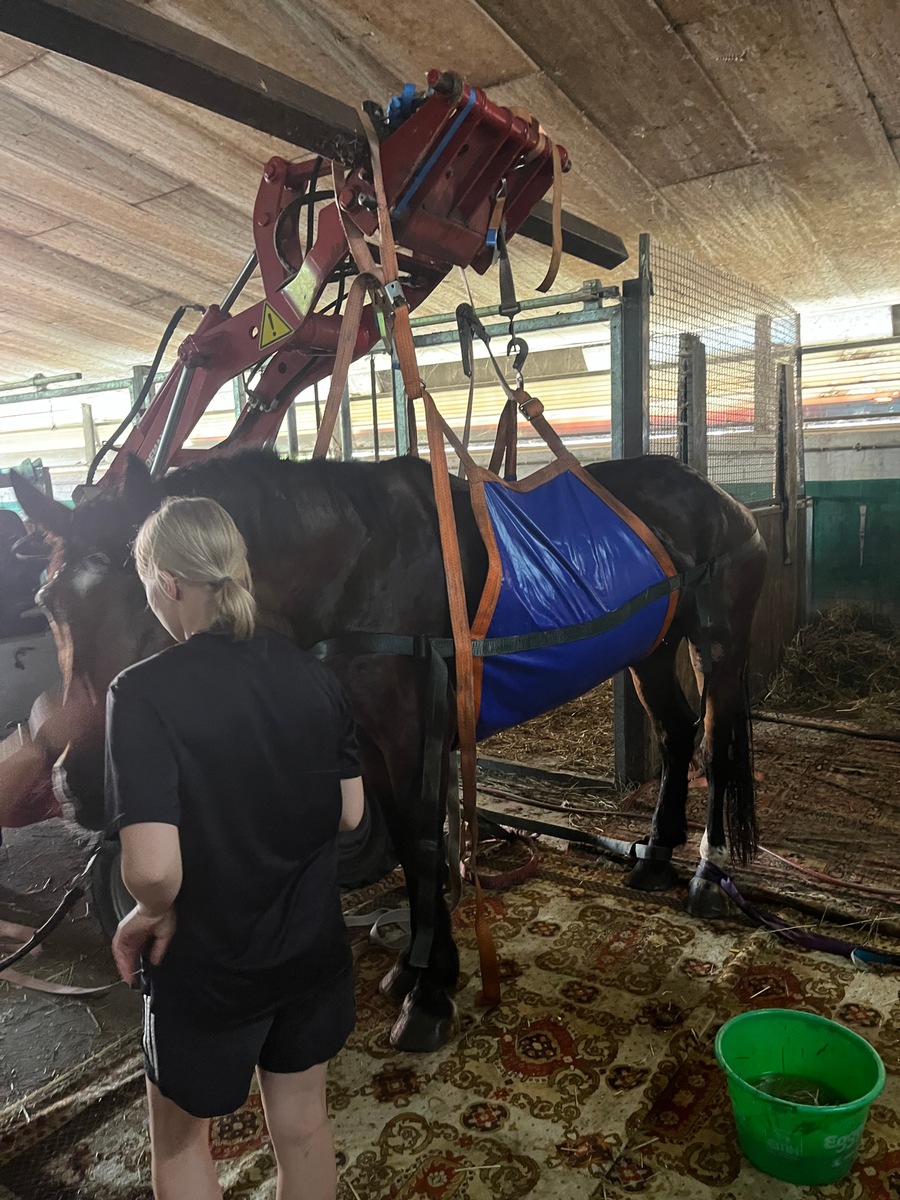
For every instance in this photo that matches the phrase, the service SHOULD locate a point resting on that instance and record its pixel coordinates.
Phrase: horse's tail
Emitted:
(740, 797)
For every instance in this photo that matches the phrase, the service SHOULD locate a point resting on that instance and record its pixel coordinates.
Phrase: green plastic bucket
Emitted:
(784, 1051)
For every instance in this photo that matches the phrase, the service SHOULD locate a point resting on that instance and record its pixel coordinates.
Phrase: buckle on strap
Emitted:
(529, 406)
(395, 293)
(421, 646)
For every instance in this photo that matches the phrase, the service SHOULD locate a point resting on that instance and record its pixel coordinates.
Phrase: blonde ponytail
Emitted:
(194, 539)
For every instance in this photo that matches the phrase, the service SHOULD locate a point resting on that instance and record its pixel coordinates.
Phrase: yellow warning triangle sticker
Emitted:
(273, 327)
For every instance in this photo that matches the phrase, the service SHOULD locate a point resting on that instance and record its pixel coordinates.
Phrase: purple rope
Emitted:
(799, 937)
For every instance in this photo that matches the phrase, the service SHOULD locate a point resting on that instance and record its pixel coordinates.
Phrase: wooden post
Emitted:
(763, 381)
(787, 461)
(90, 433)
(692, 444)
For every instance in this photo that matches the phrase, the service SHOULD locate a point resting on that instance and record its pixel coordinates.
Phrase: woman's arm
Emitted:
(151, 865)
(354, 800)
(151, 870)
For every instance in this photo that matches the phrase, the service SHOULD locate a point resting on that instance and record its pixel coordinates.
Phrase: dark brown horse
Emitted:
(352, 546)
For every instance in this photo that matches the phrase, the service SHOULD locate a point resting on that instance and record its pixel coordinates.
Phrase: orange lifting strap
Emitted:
(383, 284)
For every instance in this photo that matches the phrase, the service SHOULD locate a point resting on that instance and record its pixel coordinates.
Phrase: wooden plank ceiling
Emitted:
(762, 135)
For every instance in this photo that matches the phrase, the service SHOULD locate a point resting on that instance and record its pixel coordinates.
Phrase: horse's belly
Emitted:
(565, 558)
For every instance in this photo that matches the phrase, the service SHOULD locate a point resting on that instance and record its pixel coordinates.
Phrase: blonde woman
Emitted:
(231, 766)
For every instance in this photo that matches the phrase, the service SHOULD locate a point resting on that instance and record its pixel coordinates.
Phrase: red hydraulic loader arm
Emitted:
(447, 156)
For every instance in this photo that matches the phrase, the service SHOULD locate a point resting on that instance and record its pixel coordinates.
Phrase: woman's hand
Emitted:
(141, 933)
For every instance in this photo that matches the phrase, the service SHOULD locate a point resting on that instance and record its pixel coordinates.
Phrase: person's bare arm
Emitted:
(151, 865)
(354, 799)
(151, 870)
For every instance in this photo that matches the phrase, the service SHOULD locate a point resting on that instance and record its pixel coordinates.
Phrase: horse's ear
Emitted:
(47, 514)
(140, 492)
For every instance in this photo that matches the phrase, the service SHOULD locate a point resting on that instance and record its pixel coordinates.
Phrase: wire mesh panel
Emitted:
(747, 333)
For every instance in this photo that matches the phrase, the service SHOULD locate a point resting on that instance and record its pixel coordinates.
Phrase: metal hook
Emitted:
(519, 347)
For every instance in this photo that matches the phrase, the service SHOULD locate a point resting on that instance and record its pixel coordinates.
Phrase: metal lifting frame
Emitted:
(457, 134)
(443, 168)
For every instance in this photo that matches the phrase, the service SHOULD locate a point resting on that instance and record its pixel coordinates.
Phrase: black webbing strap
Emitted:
(360, 642)
(629, 850)
(509, 304)
(363, 642)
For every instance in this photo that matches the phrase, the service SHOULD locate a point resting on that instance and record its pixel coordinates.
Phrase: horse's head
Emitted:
(97, 610)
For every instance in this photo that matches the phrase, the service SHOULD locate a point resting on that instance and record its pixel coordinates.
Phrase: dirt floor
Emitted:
(577, 737)
(45, 1039)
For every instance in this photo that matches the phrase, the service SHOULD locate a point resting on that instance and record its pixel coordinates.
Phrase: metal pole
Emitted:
(239, 284)
(590, 292)
(293, 440)
(861, 344)
(240, 395)
(634, 418)
(174, 416)
(373, 383)
(346, 427)
(630, 437)
(83, 389)
(588, 316)
(40, 382)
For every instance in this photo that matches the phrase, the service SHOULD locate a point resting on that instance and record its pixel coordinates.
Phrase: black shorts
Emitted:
(207, 1070)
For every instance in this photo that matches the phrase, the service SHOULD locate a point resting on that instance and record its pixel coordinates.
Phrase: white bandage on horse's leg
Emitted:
(718, 855)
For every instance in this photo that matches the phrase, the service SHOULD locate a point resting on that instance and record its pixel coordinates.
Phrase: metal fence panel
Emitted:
(747, 332)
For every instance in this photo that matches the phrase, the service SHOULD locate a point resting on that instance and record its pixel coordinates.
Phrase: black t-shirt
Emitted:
(242, 745)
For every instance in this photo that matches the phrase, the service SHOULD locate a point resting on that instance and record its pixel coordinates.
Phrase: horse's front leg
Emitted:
(425, 975)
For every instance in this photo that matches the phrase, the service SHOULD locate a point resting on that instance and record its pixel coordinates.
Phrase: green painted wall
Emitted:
(856, 555)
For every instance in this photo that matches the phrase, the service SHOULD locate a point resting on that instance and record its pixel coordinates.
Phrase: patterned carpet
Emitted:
(594, 1078)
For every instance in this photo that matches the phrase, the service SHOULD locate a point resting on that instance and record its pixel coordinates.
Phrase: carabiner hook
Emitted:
(519, 347)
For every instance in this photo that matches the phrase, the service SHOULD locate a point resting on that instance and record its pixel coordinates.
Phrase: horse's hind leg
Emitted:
(675, 724)
(727, 759)
(727, 750)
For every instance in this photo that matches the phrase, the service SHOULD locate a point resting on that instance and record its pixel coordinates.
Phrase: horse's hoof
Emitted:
(423, 1028)
(707, 900)
(652, 875)
(399, 982)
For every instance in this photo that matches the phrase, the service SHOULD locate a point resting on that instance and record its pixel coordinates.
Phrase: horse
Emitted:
(338, 546)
